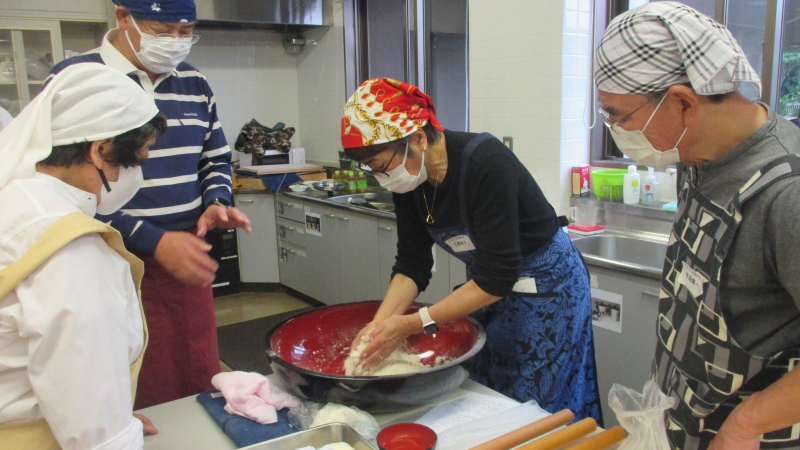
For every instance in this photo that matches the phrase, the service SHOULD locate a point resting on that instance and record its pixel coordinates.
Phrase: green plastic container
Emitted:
(607, 183)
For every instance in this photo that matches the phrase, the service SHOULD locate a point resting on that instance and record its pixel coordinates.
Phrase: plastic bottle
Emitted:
(362, 182)
(339, 178)
(352, 183)
(650, 188)
(630, 186)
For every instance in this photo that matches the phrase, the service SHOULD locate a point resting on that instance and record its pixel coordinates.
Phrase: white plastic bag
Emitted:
(361, 421)
(479, 431)
(642, 416)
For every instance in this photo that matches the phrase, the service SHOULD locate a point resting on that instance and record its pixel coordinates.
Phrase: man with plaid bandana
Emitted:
(675, 87)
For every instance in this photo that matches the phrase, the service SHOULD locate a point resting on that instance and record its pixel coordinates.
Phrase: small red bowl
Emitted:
(407, 436)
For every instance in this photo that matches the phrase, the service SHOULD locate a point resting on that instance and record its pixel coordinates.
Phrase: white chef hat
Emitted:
(85, 102)
(662, 44)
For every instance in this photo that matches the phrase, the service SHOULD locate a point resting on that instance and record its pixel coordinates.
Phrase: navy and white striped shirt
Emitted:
(189, 166)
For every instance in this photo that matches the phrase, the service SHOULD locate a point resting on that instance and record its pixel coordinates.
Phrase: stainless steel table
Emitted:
(184, 424)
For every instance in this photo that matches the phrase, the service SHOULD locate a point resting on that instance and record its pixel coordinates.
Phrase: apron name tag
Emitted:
(525, 286)
(460, 243)
(693, 280)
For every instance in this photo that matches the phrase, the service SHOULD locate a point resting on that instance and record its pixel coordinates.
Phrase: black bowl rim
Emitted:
(272, 356)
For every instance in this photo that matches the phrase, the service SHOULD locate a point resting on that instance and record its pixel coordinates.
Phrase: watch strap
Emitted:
(427, 322)
(221, 202)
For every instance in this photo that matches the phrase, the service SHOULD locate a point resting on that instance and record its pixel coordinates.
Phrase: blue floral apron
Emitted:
(539, 346)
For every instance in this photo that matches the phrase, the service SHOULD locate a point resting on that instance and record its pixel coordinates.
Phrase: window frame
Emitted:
(604, 152)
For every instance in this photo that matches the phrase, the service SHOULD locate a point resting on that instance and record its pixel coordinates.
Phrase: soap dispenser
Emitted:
(630, 186)
(650, 188)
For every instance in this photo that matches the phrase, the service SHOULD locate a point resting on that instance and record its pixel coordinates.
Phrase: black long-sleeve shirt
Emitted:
(509, 215)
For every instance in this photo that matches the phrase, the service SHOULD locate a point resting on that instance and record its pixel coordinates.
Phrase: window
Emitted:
(788, 81)
(381, 40)
(757, 25)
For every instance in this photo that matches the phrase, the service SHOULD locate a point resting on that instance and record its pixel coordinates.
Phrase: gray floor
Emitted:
(245, 306)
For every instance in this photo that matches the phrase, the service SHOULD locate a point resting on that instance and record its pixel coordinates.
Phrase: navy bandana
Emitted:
(167, 11)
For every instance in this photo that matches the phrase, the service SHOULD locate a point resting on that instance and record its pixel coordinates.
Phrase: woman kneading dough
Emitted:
(468, 193)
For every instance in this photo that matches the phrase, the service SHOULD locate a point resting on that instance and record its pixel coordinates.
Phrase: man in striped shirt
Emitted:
(186, 191)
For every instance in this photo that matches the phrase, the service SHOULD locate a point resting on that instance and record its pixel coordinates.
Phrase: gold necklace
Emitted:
(429, 220)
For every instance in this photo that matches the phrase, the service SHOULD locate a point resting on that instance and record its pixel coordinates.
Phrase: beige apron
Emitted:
(36, 434)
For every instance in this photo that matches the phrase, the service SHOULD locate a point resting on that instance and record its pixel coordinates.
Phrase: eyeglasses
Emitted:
(193, 37)
(610, 123)
(380, 173)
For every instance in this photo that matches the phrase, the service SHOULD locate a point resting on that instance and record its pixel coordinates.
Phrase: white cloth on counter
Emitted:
(252, 395)
(68, 333)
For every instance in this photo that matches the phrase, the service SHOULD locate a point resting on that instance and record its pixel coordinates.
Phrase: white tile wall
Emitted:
(321, 90)
(576, 47)
(529, 71)
(251, 76)
(515, 66)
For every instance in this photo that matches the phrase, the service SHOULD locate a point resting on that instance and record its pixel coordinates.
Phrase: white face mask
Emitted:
(116, 194)
(400, 181)
(160, 54)
(638, 147)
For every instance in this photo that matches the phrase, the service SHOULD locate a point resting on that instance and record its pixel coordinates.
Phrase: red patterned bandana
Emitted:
(383, 110)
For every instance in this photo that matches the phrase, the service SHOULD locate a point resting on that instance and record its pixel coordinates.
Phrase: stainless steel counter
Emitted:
(184, 424)
(322, 198)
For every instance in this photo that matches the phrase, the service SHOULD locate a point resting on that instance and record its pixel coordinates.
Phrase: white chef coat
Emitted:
(71, 330)
(5, 118)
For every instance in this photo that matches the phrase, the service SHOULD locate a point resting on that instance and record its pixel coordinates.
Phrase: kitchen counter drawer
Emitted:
(290, 208)
(294, 267)
(292, 232)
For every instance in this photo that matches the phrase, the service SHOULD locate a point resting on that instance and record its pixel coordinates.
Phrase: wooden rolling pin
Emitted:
(601, 441)
(563, 436)
(528, 432)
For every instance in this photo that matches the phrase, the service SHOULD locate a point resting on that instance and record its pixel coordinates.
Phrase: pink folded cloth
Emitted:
(251, 395)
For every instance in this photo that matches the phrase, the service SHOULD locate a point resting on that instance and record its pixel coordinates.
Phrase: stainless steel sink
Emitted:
(380, 200)
(632, 255)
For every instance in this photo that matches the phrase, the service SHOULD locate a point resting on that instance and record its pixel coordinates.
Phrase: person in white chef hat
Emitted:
(72, 332)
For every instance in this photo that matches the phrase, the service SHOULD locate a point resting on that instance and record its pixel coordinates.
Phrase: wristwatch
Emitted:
(221, 202)
(428, 324)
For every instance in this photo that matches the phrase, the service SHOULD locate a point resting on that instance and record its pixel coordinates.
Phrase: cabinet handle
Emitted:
(292, 251)
(291, 228)
(385, 228)
(652, 294)
(289, 204)
(330, 215)
(344, 219)
(245, 201)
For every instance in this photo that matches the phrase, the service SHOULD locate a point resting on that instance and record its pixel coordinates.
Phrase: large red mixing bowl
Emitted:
(308, 352)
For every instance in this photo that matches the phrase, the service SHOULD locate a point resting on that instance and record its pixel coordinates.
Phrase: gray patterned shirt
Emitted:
(761, 275)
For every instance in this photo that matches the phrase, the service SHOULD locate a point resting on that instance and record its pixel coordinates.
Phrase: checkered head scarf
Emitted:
(662, 44)
(383, 110)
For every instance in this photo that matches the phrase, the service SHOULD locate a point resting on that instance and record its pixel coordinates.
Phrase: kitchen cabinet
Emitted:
(625, 358)
(258, 251)
(30, 48)
(359, 261)
(56, 9)
(349, 256)
(387, 234)
(439, 286)
(343, 257)
(458, 272)
(293, 263)
(289, 208)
